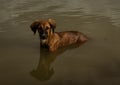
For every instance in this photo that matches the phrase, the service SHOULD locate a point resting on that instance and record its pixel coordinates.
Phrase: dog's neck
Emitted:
(51, 37)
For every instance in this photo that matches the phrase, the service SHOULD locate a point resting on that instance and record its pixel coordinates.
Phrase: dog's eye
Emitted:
(40, 27)
(47, 28)
(40, 31)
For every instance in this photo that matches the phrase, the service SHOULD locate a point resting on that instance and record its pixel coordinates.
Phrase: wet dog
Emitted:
(53, 40)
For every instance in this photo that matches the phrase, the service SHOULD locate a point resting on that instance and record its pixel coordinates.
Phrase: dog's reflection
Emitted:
(44, 71)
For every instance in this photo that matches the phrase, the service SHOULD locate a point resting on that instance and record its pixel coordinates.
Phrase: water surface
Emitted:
(96, 62)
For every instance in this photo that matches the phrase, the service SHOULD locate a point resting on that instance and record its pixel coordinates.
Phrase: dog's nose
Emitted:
(44, 36)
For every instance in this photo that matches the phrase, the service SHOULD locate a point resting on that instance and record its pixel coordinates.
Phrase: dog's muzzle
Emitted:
(43, 35)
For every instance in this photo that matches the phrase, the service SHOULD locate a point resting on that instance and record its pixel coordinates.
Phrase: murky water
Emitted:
(97, 62)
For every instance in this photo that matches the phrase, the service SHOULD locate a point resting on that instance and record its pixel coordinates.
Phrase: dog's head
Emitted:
(44, 28)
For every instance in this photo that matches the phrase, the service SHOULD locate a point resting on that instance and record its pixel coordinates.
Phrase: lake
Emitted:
(97, 62)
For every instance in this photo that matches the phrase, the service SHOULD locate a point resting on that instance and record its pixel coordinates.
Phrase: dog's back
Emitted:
(71, 37)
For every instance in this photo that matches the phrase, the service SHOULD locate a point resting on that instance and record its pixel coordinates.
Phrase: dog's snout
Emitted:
(43, 35)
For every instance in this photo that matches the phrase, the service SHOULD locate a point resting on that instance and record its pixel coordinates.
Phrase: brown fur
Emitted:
(57, 39)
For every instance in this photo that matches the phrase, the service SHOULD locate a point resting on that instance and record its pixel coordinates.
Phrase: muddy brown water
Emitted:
(96, 62)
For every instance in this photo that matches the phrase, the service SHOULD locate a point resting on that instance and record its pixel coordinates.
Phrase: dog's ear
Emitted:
(34, 26)
(52, 24)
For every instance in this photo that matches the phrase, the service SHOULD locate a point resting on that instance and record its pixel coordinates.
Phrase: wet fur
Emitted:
(57, 39)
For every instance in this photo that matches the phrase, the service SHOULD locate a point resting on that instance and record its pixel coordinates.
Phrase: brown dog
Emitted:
(53, 40)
